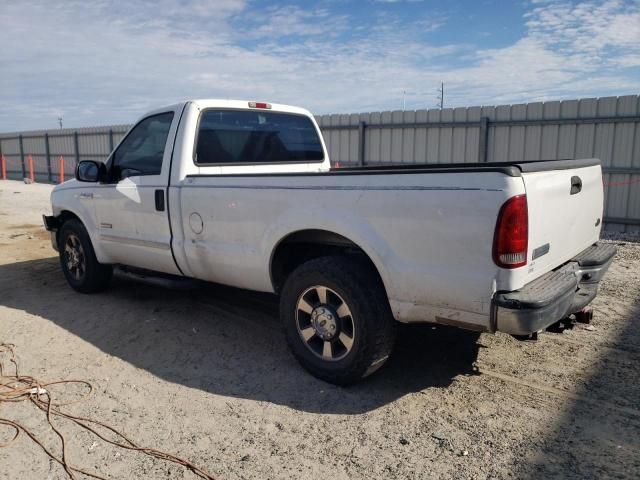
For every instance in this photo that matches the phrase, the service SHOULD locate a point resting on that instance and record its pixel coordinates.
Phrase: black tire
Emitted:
(82, 270)
(370, 321)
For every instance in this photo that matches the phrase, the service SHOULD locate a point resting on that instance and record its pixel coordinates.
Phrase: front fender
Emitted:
(66, 198)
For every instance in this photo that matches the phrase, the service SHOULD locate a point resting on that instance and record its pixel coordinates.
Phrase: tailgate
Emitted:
(565, 214)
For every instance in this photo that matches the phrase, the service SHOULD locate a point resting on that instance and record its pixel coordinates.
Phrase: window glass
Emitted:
(142, 150)
(236, 136)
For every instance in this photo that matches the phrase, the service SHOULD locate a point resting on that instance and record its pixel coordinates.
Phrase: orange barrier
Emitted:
(31, 172)
(3, 163)
(61, 160)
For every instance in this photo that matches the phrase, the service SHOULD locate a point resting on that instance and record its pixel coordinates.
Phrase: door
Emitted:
(131, 209)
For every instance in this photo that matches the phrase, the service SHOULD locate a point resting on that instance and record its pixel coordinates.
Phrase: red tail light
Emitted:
(511, 238)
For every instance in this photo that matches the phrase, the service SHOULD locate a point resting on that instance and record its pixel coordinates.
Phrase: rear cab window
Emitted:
(247, 137)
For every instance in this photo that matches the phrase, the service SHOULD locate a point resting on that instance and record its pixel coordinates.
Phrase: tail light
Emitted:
(511, 238)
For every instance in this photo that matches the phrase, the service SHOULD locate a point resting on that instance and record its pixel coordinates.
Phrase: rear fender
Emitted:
(341, 222)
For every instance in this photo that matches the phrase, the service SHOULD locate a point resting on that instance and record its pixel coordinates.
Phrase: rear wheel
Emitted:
(78, 260)
(337, 319)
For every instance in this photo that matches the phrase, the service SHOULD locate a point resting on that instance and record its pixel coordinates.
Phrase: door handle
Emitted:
(159, 194)
(86, 195)
(576, 185)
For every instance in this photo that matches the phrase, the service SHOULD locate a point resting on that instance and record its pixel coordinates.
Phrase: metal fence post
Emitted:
(361, 129)
(75, 144)
(47, 152)
(24, 170)
(483, 140)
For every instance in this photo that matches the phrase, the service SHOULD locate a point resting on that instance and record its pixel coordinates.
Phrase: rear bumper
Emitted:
(554, 295)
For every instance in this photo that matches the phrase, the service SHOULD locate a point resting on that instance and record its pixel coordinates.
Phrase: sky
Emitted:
(107, 61)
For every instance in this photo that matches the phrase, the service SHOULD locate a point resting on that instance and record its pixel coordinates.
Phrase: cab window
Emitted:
(253, 137)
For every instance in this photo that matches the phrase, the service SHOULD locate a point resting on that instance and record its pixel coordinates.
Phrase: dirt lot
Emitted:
(204, 372)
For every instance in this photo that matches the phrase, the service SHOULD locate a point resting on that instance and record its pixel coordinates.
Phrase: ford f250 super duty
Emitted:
(242, 194)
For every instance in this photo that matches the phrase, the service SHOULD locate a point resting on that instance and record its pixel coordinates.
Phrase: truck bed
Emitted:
(512, 169)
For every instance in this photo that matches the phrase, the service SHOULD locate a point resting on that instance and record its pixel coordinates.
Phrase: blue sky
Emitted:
(107, 61)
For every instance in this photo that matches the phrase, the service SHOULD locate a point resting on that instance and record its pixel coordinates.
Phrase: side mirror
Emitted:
(90, 171)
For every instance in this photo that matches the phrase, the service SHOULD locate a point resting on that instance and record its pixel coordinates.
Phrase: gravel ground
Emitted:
(204, 372)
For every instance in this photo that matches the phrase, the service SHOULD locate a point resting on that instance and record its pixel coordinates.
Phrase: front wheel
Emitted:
(337, 318)
(78, 260)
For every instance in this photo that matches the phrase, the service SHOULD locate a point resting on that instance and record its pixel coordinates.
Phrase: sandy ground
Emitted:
(204, 372)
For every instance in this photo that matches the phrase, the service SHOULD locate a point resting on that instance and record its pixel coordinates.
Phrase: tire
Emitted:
(361, 336)
(78, 260)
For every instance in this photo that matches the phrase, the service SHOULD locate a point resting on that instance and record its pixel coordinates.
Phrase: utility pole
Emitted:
(60, 121)
(441, 95)
(404, 103)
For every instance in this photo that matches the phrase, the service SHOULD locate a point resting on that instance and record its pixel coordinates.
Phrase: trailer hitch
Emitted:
(584, 316)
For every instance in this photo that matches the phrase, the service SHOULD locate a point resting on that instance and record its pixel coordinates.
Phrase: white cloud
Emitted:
(589, 29)
(107, 62)
(290, 20)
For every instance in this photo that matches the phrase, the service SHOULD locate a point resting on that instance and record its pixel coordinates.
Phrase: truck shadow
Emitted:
(597, 435)
(226, 341)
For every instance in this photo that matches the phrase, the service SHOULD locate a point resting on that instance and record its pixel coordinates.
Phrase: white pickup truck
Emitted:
(242, 194)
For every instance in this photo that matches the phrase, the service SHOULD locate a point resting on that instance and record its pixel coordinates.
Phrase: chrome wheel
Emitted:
(325, 323)
(74, 257)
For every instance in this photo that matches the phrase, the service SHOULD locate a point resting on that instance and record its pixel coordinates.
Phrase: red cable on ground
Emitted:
(19, 388)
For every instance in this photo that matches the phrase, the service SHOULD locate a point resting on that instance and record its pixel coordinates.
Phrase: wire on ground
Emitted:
(19, 388)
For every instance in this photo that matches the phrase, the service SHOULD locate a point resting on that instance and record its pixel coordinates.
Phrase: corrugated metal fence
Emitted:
(45, 148)
(607, 128)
